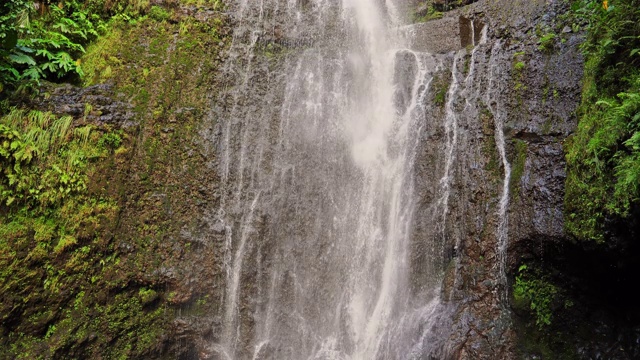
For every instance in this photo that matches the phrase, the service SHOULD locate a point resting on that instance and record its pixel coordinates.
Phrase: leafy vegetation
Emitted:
(603, 157)
(43, 158)
(56, 248)
(546, 43)
(45, 43)
(77, 267)
(45, 40)
(430, 14)
(519, 67)
(440, 85)
(532, 290)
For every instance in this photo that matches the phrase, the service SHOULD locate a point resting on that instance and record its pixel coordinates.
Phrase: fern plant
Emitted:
(603, 156)
(45, 46)
(42, 158)
(533, 290)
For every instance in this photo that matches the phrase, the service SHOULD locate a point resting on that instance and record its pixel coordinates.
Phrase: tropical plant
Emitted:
(603, 156)
(534, 291)
(45, 45)
(14, 17)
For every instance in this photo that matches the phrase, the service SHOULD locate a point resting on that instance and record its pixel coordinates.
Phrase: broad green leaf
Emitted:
(25, 49)
(52, 67)
(22, 59)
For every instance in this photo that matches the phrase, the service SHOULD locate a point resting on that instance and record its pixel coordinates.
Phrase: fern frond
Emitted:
(60, 128)
(82, 134)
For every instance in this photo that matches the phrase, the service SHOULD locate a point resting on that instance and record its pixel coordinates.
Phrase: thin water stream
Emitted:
(503, 219)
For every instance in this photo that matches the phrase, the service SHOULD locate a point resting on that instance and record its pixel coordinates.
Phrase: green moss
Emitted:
(59, 250)
(547, 42)
(519, 67)
(440, 88)
(77, 270)
(432, 14)
(158, 13)
(544, 317)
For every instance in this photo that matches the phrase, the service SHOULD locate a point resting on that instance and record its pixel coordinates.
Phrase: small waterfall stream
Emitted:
(451, 136)
(503, 219)
(319, 134)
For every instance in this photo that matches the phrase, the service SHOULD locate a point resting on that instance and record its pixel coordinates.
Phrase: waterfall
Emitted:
(503, 220)
(451, 136)
(318, 136)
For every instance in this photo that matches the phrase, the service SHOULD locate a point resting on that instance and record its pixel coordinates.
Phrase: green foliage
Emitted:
(534, 291)
(603, 156)
(41, 158)
(77, 276)
(440, 89)
(13, 19)
(56, 247)
(519, 67)
(431, 14)
(147, 295)
(547, 42)
(47, 44)
(519, 64)
(613, 41)
(213, 4)
(110, 140)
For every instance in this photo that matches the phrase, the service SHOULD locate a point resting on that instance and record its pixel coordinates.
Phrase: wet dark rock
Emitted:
(446, 5)
(96, 104)
(537, 104)
(403, 79)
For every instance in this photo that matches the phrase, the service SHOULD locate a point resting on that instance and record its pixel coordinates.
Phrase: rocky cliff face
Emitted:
(512, 94)
(530, 71)
(495, 116)
(499, 104)
(522, 98)
(145, 278)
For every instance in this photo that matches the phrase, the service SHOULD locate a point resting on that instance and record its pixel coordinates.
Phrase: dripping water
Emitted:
(503, 220)
(451, 135)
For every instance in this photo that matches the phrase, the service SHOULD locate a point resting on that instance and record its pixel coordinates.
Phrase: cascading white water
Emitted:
(451, 136)
(503, 220)
(317, 196)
